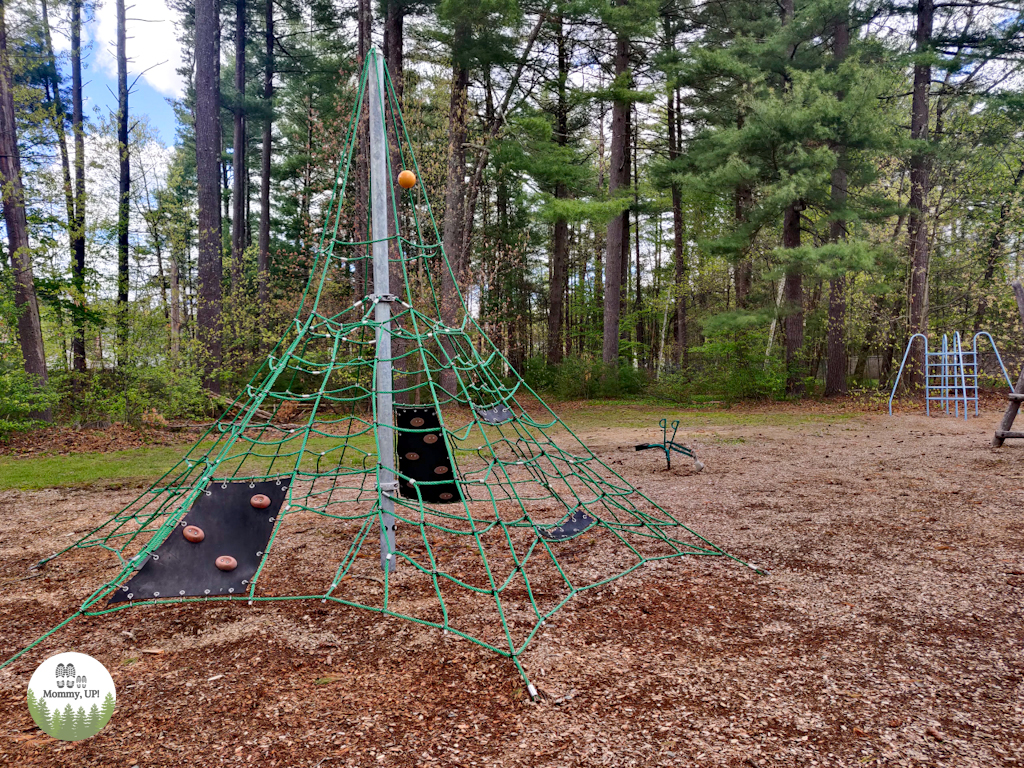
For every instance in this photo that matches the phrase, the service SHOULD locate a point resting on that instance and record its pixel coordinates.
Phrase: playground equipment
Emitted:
(669, 445)
(951, 373)
(476, 514)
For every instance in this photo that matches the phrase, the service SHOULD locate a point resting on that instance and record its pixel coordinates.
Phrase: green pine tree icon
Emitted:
(71, 723)
(43, 721)
(81, 730)
(33, 706)
(94, 720)
(107, 711)
(56, 723)
(68, 731)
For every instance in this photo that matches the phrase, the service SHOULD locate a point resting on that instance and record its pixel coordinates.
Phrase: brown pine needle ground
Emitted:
(889, 631)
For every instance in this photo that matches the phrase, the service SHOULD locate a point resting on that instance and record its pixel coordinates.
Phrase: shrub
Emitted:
(22, 399)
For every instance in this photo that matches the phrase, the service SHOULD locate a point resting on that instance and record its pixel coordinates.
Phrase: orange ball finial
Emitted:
(407, 179)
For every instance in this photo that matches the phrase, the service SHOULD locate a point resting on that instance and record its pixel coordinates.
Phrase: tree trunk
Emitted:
(917, 228)
(77, 231)
(678, 255)
(560, 235)
(618, 228)
(238, 167)
(123, 186)
(207, 87)
(837, 363)
(394, 60)
(307, 179)
(175, 308)
(225, 196)
(453, 274)
(30, 333)
(263, 259)
(455, 194)
(743, 274)
(624, 262)
(559, 278)
(77, 315)
(394, 44)
(361, 203)
(794, 295)
(641, 330)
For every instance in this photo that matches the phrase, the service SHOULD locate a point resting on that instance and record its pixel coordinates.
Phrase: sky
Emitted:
(154, 55)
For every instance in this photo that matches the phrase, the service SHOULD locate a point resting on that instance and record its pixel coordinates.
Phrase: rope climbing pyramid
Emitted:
(387, 420)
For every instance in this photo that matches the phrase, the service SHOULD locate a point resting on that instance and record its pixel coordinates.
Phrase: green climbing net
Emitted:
(477, 565)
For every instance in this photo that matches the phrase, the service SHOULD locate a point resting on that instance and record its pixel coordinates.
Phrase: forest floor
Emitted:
(887, 631)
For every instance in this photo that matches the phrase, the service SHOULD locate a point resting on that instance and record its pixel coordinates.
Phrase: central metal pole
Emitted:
(382, 311)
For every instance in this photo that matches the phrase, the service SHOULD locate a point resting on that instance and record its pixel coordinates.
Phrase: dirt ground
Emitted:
(888, 630)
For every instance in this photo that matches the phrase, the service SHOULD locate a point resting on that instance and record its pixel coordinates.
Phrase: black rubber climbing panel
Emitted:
(423, 456)
(578, 522)
(231, 527)
(497, 414)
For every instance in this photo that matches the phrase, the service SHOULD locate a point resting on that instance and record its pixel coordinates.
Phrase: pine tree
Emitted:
(93, 719)
(806, 115)
(30, 332)
(78, 723)
(207, 127)
(56, 724)
(45, 717)
(33, 706)
(68, 723)
(107, 710)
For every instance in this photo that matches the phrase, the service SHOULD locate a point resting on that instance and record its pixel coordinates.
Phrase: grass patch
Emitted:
(142, 466)
(628, 414)
(137, 466)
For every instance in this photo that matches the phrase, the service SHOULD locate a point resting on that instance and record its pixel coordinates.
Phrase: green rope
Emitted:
(514, 478)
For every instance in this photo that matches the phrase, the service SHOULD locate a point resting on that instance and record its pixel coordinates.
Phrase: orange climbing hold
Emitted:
(407, 179)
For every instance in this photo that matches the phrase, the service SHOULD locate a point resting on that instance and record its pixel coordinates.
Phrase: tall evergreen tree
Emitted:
(239, 170)
(30, 333)
(124, 184)
(207, 122)
(267, 150)
(77, 230)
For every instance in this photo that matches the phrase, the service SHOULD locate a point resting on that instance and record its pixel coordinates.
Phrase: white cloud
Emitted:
(153, 45)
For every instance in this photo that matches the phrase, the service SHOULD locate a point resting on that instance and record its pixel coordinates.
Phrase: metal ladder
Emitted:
(951, 373)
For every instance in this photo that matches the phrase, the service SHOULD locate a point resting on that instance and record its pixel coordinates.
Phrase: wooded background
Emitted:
(693, 200)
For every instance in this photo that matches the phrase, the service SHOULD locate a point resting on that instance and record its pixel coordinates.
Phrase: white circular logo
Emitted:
(71, 696)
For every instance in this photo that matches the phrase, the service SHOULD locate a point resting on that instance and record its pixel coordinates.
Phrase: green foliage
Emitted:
(95, 722)
(56, 729)
(107, 710)
(585, 379)
(764, 114)
(729, 366)
(22, 399)
(130, 395)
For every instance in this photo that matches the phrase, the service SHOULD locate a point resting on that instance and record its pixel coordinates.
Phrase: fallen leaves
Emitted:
(859, 623)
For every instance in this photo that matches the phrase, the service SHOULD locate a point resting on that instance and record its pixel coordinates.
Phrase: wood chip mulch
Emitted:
(888, 632)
